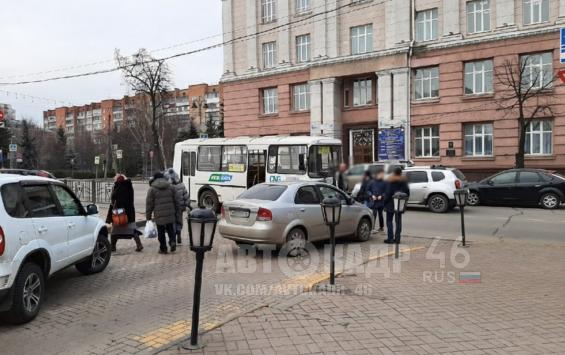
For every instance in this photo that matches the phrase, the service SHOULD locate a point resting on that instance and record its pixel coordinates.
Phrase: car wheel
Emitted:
(209, 200)
(473, 198)
(363, 232)
(295, 243)
(99, 259)
(28, 292)
(438, 203)
(550, 201)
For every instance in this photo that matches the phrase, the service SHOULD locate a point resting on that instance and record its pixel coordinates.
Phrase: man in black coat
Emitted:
(395, 183)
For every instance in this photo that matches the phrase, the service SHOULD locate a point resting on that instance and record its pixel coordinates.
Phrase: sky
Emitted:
(62, 37)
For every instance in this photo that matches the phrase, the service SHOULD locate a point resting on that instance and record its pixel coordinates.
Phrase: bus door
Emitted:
(188, 170)
(256, 167)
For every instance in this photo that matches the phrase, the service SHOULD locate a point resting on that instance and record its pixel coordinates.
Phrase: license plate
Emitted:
(239, 213)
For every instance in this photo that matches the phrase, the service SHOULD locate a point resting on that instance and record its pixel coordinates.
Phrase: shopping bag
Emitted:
(150, 230)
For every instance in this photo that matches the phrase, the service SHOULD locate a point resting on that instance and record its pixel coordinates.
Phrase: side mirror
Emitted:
(490, 183)
(91, 210)
(350, 200)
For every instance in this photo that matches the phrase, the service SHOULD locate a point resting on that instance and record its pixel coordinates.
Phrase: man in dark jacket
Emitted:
(161, 206)
(340, 180)
(378, 190)
(396, 183)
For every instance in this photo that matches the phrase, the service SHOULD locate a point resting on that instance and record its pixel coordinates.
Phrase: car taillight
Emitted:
(264, 214)
(457, 184)
(2, 242)
(223, 212)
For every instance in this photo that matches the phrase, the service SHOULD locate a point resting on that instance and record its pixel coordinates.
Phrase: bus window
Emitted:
(323, 160)
(209, 158)
(234, 159)
(287, 159)
(192, 163)
(185, 164)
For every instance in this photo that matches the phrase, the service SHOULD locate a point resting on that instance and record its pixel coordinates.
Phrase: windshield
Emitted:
(263, 192)
(459, 174)
(323, 160)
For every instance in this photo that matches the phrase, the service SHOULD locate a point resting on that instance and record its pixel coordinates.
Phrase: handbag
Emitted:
(119, 216)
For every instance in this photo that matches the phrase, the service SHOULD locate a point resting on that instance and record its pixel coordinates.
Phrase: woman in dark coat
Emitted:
(122, 197)
(378, 190)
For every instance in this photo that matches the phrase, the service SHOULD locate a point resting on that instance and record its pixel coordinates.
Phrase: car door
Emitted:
(498, 190)
(48, 222)
(188, 170)
(347, 223)
(80, 228)
(528, 188)
(418, 182)
(309, 212)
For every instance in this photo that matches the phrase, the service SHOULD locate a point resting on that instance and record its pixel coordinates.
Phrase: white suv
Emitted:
(43, 229)
(434, 186)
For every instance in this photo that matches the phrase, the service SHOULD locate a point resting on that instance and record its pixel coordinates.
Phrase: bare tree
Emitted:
(150, 77)
(524, 95)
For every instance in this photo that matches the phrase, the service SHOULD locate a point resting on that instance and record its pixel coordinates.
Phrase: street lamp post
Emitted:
(461, 198)
(201, 229)
(400, 200)
(331, 210)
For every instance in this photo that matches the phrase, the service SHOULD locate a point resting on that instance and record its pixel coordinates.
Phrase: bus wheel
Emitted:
(209, 199)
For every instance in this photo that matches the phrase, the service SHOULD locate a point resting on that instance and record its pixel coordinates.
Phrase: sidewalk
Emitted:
(515, 305)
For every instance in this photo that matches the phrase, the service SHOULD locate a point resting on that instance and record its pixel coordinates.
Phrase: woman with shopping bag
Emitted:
(122, 213)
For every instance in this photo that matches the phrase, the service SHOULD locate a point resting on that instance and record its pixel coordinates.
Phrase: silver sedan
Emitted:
(280, 213)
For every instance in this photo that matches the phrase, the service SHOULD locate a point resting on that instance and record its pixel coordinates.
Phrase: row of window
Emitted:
(478, 140)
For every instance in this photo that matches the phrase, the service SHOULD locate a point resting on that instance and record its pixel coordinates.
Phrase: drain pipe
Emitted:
(407, 133)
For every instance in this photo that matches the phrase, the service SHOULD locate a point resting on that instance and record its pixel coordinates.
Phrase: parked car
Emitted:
(355, 173)
(519, 187)
(27, 172)
(279, 213)
(43, 229)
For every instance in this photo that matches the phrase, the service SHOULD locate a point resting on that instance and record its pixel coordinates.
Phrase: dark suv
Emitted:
(519, 187)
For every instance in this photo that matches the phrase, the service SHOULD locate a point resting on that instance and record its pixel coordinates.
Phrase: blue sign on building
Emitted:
(562, 56)
(392, 144)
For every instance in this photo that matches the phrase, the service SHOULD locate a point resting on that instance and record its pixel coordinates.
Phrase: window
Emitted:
(14, 201)
(41, 202)
(302, 6)
(478, 16)
(504, 178)
(539, 136)
(331, 192)
(362, 92)
(69, 204)
(426, 83)
(303, 48)
(287, 159)
(535, 11)
(209, 158)
(270, 101)
(538, 70)
(188, 164)
(234, 158)
(323, 160)
(427, 142)
(361, 39)
(417, 177)
(263, 192)
(478, 139)
(307, 195)
(478, 77)
(426, 25)
(356, 170)
(437, 176)
(529, 177)
(301, 97)
(269, 55)
(268, 10)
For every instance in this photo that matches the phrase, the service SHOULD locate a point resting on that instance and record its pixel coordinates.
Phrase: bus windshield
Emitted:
(323, 160)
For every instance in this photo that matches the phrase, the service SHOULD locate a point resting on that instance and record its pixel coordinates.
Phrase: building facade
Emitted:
(404, 79)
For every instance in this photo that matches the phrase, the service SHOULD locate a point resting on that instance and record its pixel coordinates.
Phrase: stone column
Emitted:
(398, 23)
(561, 18)
(451, 18)
(384, 98)
(319, 36)
(283, 17)
(332, 29)
(251, 28)
(505, 14)
(331, 110)
(401, 95)
(227, 25)
(315, 107)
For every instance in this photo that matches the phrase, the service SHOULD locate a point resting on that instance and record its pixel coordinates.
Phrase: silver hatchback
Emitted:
(280, 213)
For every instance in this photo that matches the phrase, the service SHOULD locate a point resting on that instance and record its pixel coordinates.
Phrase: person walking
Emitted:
(182, 200)
(161, 206)
(340, 180)
(364, 195)
(378, 190)
(122, 198)
(395, 183)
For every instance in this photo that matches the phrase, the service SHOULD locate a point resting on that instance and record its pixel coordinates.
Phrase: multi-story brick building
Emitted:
(196, 103)
(399, 79)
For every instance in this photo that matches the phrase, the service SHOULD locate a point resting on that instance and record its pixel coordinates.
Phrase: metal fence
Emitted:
(90, 190)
